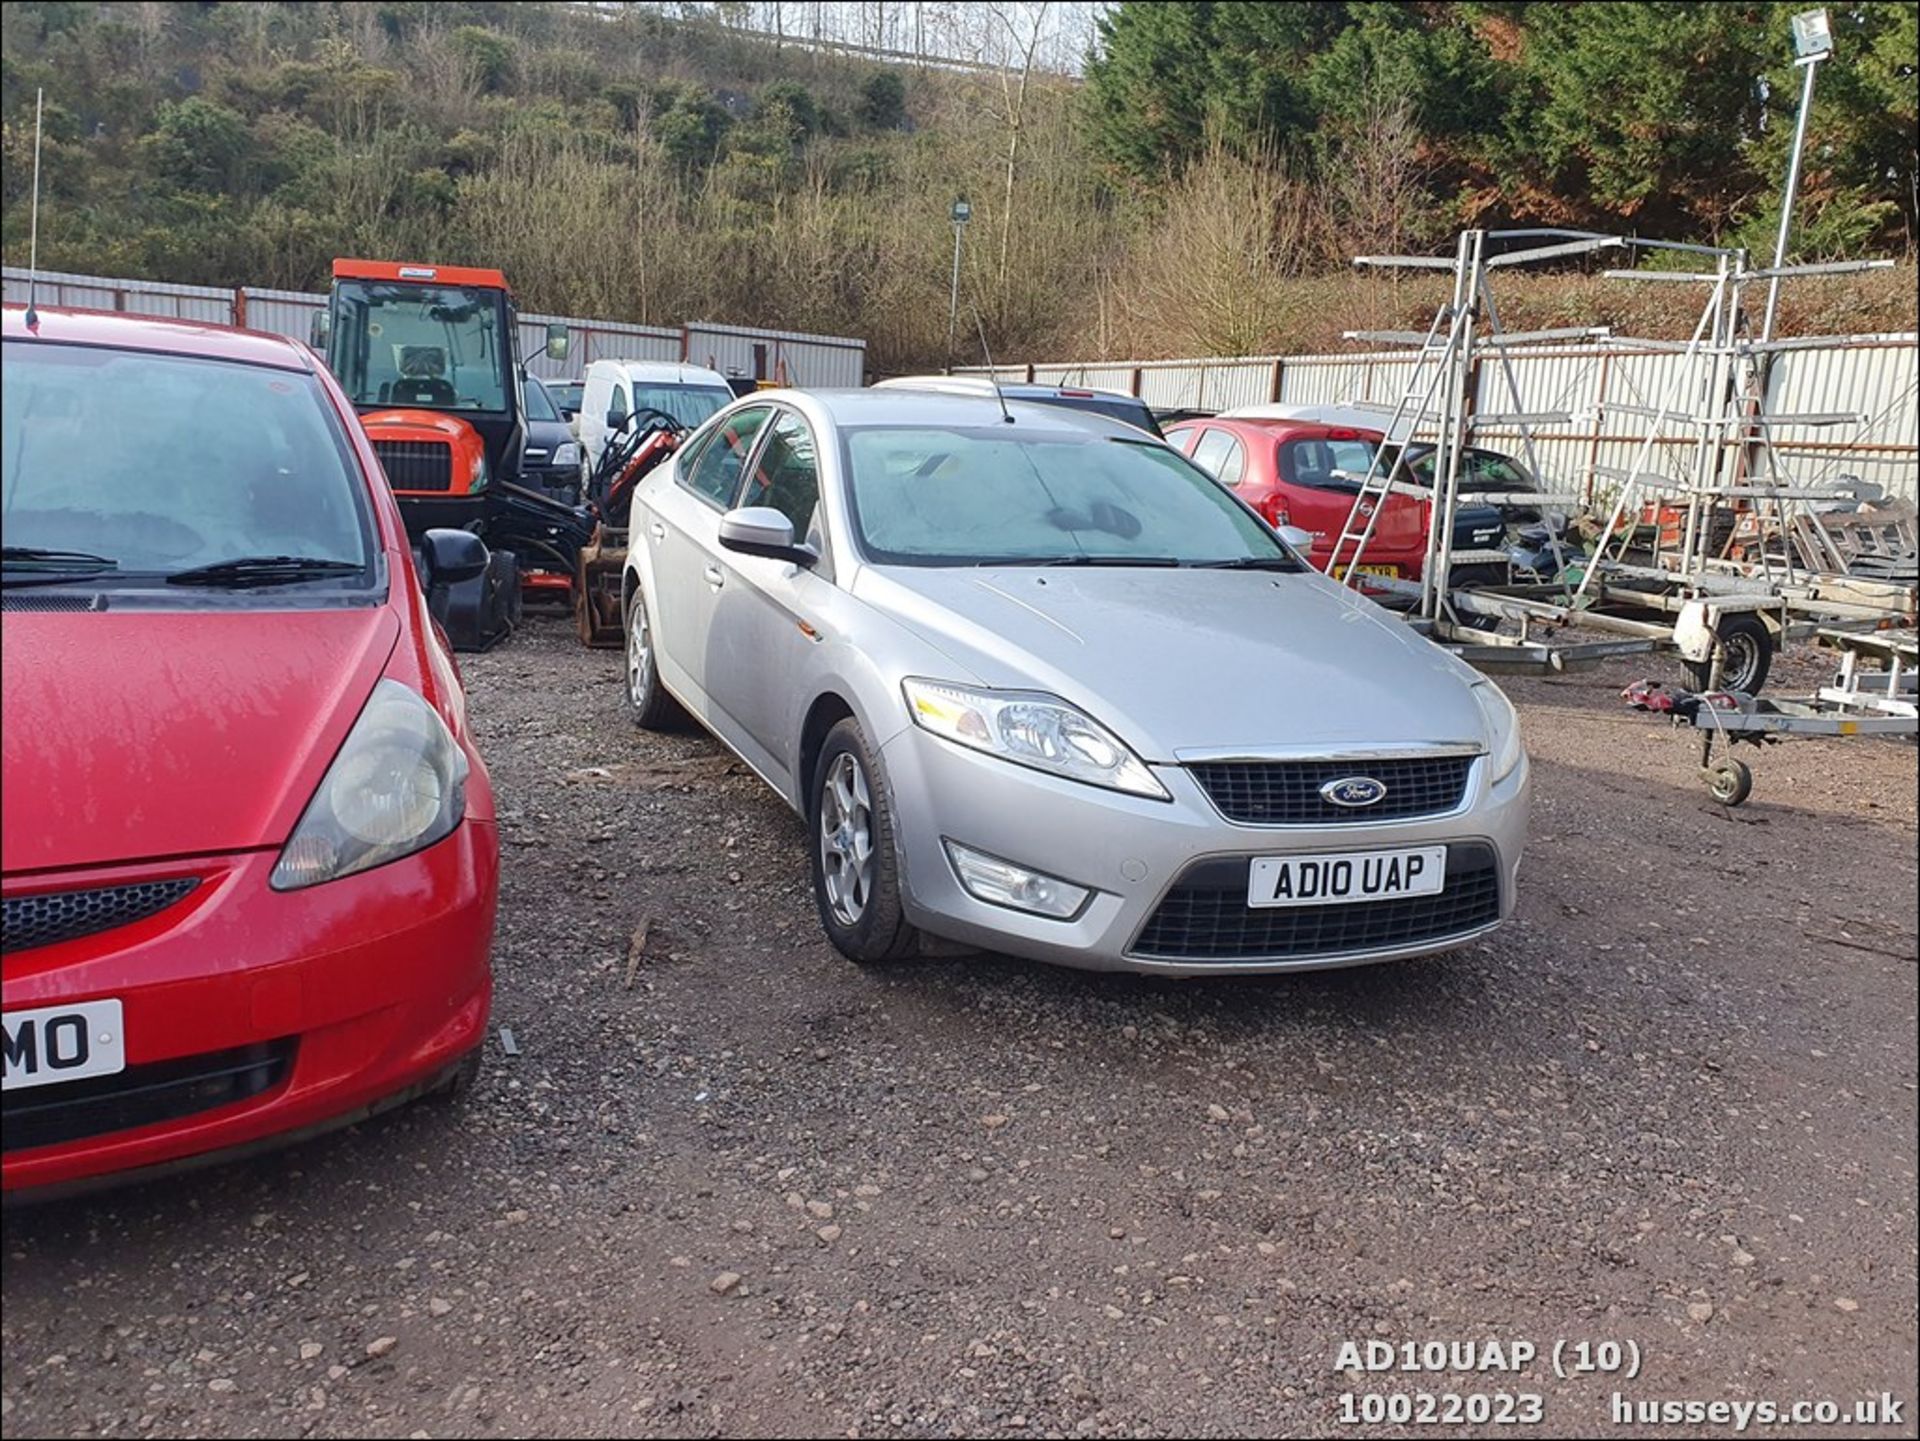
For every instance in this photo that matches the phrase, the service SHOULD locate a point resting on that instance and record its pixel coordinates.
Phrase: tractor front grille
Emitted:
(53, 916)
(416, 464)
(142, 1095)
(1287, 793)
(1206, 918)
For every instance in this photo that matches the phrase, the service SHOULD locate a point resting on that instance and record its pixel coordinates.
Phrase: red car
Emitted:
(1291, 471)
(248, 853)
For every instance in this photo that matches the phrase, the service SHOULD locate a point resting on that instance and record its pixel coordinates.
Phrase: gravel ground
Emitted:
(733, 1184)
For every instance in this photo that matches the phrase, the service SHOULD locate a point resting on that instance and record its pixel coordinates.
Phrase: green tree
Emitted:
(486, 54)
(883, 101)
(199, 145)
(1165, 76)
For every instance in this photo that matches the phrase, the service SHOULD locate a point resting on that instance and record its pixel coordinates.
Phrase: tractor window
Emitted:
(437, 347)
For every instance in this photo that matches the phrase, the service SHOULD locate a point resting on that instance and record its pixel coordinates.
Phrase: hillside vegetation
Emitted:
(1199, 191)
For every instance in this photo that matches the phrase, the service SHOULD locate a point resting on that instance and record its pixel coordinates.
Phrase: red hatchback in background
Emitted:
(248, 852)
(1291, 471)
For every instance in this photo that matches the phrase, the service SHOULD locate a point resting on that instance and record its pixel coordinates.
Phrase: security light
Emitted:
(1812, 35)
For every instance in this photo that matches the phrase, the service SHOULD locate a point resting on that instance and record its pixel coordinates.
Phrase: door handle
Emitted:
(714, 577)
(657, 530)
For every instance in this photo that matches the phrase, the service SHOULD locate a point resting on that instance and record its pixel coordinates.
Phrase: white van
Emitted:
(617, 388)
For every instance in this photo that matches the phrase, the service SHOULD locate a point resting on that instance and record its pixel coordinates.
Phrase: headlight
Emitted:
(1031, 729)
(567, 457)
(1503, 728)
(477, 473)
(398, 785)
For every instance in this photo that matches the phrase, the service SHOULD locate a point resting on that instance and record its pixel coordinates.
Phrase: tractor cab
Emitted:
(429, 356)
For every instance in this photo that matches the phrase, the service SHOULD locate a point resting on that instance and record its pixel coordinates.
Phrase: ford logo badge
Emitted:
(1354, 791)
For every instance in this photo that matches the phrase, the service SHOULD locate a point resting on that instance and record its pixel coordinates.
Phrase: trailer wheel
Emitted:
(1747, 649)
(1730, 782)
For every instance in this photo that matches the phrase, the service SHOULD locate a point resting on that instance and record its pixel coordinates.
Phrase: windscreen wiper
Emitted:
(39, 557)
(1112, 560)
(39, 565)
(250, 570)
(1252, 562)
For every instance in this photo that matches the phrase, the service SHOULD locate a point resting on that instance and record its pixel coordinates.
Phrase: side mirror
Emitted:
(1294, 536)
(320, 329)
(557, 341)
(616, 419)
(451, 556)
(762, 530)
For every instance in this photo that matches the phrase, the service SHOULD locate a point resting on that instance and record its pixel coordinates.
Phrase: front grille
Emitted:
(51, 916)
(1205, 917)
(141, 1095)
(1287, 793)
(41, 600)
(416, 464)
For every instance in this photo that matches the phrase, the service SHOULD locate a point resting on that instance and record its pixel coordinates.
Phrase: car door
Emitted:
(770, 613)
(682, 532)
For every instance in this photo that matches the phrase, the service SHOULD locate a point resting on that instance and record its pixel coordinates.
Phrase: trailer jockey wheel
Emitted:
(1730, 782)
(1746, 648)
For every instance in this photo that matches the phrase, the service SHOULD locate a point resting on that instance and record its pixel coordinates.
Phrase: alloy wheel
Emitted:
(846, 838)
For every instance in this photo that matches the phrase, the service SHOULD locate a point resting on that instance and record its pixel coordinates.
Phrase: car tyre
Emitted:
(856, 868)
(647, 700)
(464, 1078)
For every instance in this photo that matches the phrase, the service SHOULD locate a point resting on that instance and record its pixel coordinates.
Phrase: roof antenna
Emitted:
(32, 316)
(993, 376)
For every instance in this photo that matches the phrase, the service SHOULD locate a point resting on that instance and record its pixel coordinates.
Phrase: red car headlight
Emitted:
(398, 785)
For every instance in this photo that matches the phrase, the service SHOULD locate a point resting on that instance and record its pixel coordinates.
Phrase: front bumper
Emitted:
(324, 1003)
(1137, 854)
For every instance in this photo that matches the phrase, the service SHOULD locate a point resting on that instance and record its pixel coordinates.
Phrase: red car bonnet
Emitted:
(136, 735)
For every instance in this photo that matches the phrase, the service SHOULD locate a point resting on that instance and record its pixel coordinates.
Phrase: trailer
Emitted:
(1663, 562)
(1872, 694)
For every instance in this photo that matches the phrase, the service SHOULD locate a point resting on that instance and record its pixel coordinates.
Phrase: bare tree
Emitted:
(1022, 28)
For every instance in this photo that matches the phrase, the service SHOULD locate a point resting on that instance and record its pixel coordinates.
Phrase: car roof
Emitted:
(157, 333)
(984, 385)
(673, 372)
(900, 405)
(1279, 428)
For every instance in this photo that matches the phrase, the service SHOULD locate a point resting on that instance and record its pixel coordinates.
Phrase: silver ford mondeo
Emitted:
(1040, 686)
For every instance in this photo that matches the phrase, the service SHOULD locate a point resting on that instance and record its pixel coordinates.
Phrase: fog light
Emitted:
(1002, 883)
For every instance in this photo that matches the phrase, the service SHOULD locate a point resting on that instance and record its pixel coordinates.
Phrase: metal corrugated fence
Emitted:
(1872, 377)
(815, 362)
(795, 357)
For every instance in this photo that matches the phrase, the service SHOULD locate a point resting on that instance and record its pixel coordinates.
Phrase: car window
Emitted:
(1491, 471)
(1211, 451)
(691, 405)
(1182, 437)
(539, 403)
(787, 475)
(617, 408)
(714, 473)
(1233, 464)
(977, 496)
(1326, 464)
(166, 462)
(1114, 407)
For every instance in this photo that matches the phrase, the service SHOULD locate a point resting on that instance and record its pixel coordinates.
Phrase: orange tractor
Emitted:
(429, 355)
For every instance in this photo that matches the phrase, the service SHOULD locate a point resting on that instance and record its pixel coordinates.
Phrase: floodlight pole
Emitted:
(961, 214)
(1810, 64)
